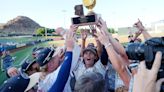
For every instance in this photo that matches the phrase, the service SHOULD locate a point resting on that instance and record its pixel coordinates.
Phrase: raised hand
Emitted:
(142, 30)
(145, 79)
(103, 35)
(70, 40)
(139, 26)
(73, 28)
(84, 34)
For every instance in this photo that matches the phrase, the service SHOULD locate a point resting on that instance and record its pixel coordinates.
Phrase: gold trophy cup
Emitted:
(89, 4)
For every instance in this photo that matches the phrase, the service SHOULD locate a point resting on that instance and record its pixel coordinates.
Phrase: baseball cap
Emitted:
(90, 44)
(36, 48)
(17, 83)
(44, 55)
(3, 49)
(90, 48)
(26, 65)
(20, 83)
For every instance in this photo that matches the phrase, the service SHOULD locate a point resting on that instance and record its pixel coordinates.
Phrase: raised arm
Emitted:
(142, 30)
(64, 71)
(118, 47)
(145, 79)
(98, 44)
(99, 47)
(83, 38)
(103, 37)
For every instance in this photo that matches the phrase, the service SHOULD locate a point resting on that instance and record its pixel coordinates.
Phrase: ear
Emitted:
(61, 59)
(96, 57)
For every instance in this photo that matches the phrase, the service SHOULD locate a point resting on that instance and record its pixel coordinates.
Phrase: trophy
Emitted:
(83, 20)
(89, 4)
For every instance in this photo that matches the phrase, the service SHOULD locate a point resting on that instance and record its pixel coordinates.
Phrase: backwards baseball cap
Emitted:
(36, 48)
(20, 83)
(90, 48)
(44, 55)
(90, 44)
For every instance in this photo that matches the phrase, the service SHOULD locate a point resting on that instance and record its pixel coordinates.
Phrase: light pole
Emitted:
(46, 32)
(64, 15)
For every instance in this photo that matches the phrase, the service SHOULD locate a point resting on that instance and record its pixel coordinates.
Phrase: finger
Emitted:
(142, 65)
(157, 62)
(98, 25)
(76, 27)
(106, 32)
(159, 84)
(98, 34)
(103, 32)
(61, 53)
(15, 73)
(12, 73)
(100, 20)
(97, 29)
(135, 25)
(67, 34)
(71, 27)
(72, 34)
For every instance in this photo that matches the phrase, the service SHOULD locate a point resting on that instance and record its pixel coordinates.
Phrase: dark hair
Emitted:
(90, 82)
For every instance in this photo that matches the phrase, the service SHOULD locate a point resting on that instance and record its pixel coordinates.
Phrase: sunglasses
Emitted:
(130, 36)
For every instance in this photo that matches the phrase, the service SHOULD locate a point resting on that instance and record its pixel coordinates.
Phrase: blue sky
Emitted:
(54, 13)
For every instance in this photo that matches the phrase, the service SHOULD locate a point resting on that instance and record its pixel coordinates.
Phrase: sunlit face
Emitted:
(53, 64)
(89, 58)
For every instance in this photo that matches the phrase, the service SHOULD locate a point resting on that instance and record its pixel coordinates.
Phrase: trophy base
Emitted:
(90, 19)
(91, 13)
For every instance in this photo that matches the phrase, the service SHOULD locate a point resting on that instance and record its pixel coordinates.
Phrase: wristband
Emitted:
(107, 45)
